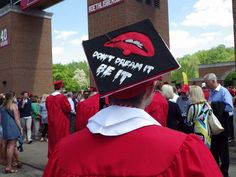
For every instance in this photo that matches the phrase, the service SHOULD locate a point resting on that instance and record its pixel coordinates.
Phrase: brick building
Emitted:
(26, 46)
(25, 50)
(222, 70)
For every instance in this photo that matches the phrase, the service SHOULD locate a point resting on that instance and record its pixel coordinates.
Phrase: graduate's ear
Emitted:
(149, 94)
(150, 90)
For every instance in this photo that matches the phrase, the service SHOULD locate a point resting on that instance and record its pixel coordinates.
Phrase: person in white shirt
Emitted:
(72, 113)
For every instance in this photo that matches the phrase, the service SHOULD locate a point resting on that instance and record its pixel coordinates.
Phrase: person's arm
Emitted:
(178, 113)
(66, 105)
(23, 103)
(35, 109)
(17, 117)
(195, 160)
(228, 101)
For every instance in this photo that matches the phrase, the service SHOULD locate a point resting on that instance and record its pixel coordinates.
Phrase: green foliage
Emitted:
(231, 79)
(67, 72)
(189, 63)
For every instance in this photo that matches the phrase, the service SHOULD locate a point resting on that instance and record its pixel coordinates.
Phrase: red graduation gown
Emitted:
(58, 108)
(206, 93)
(158, 108)
(85, 110)
(147, 151)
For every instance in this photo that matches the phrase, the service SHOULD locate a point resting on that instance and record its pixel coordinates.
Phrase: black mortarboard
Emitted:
(127, 57)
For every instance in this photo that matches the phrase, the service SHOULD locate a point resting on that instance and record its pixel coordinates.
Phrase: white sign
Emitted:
(102, 5)
(4, 39)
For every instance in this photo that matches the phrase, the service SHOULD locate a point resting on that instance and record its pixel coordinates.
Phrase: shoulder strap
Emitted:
(10, 114)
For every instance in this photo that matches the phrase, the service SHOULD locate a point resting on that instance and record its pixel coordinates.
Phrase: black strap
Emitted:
(102, 103)
(10, 114)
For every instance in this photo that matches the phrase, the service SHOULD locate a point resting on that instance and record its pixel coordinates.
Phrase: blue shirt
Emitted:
(183, 103)
(221, 94)
(26, 111)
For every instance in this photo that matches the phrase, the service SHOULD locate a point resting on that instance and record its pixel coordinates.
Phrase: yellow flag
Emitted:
(185, 78)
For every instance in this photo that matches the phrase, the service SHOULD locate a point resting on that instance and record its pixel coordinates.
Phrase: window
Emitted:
(157, 4)
(3, 3)
(148, 2)
(153, 3)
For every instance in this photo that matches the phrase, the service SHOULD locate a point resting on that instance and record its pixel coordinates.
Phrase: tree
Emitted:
(189, 63)
(68, 74)
(80, 78)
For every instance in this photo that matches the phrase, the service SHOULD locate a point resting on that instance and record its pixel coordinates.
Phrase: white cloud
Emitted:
(182, 42)
(57, 50)
(69, 50)
(210, 13)
(173, 24)
(64, 35)
(79, 41)
(229, 39)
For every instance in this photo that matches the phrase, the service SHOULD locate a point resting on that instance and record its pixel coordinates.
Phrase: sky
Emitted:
(194, 25)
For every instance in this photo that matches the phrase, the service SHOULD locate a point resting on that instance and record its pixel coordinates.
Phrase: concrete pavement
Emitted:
(34, 159)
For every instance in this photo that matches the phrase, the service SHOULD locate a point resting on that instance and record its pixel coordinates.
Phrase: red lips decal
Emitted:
(132, 43)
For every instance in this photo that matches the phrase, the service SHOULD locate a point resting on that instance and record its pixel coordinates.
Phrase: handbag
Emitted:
(214, 124)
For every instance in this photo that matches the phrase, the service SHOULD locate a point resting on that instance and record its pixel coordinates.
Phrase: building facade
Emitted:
(25, 50)
(26, 41)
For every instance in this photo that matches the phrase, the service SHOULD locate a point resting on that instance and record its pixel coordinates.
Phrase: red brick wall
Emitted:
(219, 71)
(27, 62)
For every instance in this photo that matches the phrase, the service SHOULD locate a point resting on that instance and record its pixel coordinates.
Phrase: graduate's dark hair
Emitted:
(8, 99)
(134, 101)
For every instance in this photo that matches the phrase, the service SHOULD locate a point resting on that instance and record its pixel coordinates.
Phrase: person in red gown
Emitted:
(86, 109)
(124, 140)
(58, 108)
(158, 108)
(206, 91)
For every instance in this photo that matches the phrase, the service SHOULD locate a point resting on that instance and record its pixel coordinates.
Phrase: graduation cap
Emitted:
(127, 57)
(58, 84)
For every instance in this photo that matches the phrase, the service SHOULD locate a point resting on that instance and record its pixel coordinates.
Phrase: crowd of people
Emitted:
(185, 109)
(136, 125)
(52, 117)
(24, 119)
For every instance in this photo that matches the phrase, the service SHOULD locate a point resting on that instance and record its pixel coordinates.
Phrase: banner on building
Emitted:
(102, 4)
(4, 38)
(25, 4)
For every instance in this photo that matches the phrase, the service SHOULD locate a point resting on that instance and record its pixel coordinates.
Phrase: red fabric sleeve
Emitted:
(194, 159)
(83, 113)
(65, 105)
(158, 109)
(86, 110)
